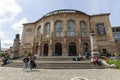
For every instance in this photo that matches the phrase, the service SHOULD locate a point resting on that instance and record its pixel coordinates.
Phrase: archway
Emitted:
(72, 49)
(46, 48)
(85, 48)
(58, 49)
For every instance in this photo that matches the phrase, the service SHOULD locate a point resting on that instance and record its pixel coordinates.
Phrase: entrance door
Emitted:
(36, 49)
(72, 49)
(58, 49)
(85, 48)
(46, 48)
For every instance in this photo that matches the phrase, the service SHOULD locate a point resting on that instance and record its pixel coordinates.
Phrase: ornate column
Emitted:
(80, 47)
(64, 48)
(38, 51)
(50, 49)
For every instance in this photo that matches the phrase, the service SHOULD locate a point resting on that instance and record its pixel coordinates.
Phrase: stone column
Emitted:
(94, 46)
(50, 49)
(80, 47)
(64, 48)
(38, 51)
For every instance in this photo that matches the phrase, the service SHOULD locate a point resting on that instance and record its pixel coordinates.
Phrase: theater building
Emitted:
(66, 33)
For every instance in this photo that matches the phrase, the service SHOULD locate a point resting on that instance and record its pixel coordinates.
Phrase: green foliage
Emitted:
(116, 62)
(1, 54)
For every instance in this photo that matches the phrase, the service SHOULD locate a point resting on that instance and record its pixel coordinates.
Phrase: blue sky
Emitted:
(13, 13)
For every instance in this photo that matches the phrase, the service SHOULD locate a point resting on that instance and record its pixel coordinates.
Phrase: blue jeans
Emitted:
(31, 65)
(25, 66)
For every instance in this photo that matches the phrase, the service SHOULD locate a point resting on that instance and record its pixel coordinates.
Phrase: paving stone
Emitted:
(8, 73)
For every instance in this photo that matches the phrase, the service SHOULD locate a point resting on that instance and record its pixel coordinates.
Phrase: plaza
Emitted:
(58, 74)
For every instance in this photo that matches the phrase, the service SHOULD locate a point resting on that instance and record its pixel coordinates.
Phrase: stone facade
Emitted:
(66, 33)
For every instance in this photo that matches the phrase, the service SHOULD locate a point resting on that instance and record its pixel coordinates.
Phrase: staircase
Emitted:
(58, 63)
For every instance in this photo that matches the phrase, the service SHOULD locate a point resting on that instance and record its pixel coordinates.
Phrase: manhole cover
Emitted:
(79, 78)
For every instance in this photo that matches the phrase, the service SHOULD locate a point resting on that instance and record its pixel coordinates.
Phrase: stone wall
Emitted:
(32, 42)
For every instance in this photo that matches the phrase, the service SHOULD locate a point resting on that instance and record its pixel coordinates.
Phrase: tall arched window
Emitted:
(47, 30)
(38, 31)
(83, 28)
(70, 28)
(58, 28)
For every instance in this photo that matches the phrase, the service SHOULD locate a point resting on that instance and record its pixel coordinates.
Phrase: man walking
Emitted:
(25, 60)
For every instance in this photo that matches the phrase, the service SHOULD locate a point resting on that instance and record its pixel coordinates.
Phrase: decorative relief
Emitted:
(100, 28)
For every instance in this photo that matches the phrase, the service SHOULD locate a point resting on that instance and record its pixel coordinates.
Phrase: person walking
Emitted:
(25, 61)
(32, 62)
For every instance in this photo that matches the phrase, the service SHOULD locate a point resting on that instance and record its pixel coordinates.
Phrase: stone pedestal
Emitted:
(95, 54)
(14, 55)
(16, 46)
(94, 46)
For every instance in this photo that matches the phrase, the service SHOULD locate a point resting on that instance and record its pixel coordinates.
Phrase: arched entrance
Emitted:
(72, 49)
(58, 49)
(36, 49)
(85, 48)
(46, 48)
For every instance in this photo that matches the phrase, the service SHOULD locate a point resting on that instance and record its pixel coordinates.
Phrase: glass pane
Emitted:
(47, 30)
(82, 26)
(58, 34)
(47, 27)
(70, 25)
(58, 26)
(70, 33)
(83, 33)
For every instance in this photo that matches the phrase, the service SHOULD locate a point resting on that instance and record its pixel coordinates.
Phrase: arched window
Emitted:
(70, 28)
(47, 30)
(58, 28)
(83, 28)
(39, 31)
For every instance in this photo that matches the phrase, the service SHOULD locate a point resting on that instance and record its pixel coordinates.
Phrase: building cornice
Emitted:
(102, 14)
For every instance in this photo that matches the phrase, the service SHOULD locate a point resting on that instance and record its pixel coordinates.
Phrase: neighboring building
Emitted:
(66, 33)
(116, 33)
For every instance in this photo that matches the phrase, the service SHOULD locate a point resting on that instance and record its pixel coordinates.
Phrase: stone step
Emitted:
(59, 65)
(58, 58)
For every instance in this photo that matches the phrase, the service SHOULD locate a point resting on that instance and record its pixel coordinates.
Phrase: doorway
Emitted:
(72, 49)
(58, 49)
(46, 48)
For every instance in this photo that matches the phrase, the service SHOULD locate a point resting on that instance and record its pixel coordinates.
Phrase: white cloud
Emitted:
(8, 10)
(2, 34)
(7, 42)
(4, 40)
(18, 26)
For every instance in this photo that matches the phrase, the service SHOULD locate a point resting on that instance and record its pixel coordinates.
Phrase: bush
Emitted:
(1, 54)
(116, 62)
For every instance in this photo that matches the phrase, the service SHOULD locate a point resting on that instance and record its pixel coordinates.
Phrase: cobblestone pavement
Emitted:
(7, 73)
